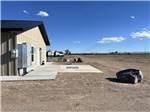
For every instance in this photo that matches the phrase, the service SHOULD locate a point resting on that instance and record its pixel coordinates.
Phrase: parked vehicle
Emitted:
(59, 53)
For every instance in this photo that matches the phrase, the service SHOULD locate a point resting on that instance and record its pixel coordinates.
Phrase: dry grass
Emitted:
(83, 92)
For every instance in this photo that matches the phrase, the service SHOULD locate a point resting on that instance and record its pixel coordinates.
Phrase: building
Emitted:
(18, 38)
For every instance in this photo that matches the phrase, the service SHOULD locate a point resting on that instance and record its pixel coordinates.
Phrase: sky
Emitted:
(88, 26)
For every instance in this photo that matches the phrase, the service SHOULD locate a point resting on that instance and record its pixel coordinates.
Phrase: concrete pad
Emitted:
(39, 73)
(79, 68)
(35, 77)
(47, 72)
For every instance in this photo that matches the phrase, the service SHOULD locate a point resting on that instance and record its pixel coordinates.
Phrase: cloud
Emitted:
(132, 17)
(42, 14)
(25, 11)
(107, 40)
(144, 29)
(76, 42)
(141, 34)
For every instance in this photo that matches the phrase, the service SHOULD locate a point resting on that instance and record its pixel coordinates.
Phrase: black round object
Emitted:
(130, 76)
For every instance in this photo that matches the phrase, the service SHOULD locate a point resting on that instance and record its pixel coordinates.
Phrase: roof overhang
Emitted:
(24, 25)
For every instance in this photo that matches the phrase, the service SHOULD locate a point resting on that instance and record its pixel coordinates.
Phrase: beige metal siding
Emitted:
(35, 39)
(8, 42)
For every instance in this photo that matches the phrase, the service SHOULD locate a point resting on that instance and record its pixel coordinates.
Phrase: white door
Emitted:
(38, 63)
(40, 55)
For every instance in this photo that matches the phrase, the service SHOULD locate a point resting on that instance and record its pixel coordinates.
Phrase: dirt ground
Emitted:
(83, 92)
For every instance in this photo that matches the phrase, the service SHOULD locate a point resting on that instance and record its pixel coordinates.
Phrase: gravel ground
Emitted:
(83, 92)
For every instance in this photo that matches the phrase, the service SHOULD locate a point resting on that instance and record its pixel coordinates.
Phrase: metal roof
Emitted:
(24, 25)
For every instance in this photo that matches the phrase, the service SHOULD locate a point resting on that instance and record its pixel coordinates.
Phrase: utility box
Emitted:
(14, 53)
(24, 58)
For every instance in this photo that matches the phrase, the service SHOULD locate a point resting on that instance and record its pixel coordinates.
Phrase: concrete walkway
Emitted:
(50, 71)
(39, 73)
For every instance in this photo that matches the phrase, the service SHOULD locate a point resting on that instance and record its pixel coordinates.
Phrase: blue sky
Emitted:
(88, 26)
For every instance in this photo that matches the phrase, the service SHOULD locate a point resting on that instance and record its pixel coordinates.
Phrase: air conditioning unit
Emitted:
(24, 58)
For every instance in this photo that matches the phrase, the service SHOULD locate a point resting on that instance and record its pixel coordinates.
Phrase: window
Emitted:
(32, 54)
